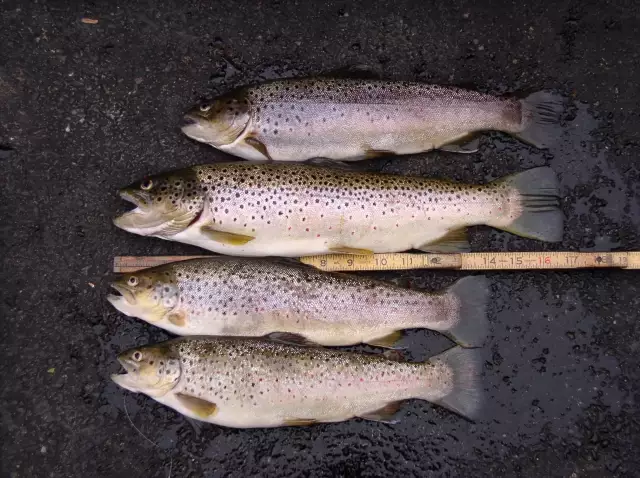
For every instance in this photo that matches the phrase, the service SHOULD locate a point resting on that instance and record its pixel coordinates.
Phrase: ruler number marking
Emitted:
(381, 261)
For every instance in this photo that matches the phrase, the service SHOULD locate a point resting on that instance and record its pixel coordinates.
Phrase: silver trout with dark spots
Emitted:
(257, 297)
(346, 119)
(289, 209)
(247, 383)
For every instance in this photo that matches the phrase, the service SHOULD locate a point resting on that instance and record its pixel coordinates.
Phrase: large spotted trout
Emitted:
(293, 209)
(257, 297)
(249, 383)
(348, 119)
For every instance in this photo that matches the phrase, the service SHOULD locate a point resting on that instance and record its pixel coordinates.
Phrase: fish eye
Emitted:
(146, 184)
(137, 356)
(205, 108)
(133, 280)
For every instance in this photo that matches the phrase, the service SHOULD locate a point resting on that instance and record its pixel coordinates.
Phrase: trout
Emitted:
(256, 297)
(293, 209)
(247, 383)
(349, 119)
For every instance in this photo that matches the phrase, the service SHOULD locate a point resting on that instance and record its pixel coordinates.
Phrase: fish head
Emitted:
(218, 122)
(153, 370)
(165, 204)
(149, 294)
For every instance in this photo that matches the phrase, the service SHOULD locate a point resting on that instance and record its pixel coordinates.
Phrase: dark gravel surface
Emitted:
(86, 109)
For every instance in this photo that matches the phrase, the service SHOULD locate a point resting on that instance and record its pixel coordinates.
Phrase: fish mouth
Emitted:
(189, 120)
(196, 128)
(143, 222)
(123, 294)
(127, 379)
(140, 218)
(213, 132)
(137, 198)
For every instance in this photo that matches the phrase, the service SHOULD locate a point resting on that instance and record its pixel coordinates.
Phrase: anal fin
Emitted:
(350, 250)
(228, 238)
(387, 341)
(198, 406)
(456, 240)
(384, 414)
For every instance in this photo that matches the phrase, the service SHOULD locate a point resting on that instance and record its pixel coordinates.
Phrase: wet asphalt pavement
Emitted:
(86, 109)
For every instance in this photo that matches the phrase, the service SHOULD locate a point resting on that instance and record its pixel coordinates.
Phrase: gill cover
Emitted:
(148, 295)
(166, 204)
(219, 122)
(152, 370)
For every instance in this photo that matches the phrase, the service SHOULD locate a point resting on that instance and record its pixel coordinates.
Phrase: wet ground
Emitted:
(87, 108)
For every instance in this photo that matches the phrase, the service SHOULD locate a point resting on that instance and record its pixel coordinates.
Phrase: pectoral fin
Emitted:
(455, 240)
(198, 406)
(387, 341)
(350, 250)
(299, 422)
(228, 238)
(177, 318)
(258, 146)
(385, 414)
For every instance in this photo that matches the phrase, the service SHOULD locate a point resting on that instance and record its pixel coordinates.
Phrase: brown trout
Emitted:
(246, 383)
(292, 209)
(256, 297)
(348, 119)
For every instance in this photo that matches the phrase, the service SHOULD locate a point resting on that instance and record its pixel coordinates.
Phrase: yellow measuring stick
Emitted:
(477, 261)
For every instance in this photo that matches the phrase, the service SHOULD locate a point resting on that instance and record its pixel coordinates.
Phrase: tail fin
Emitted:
(541, 113)
(464, 392)
(539, 202)
(471, 325)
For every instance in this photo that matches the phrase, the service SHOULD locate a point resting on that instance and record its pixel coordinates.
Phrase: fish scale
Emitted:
(259, 383)
(389, 114)
(256, 297)
(289, 209)
(350, 119)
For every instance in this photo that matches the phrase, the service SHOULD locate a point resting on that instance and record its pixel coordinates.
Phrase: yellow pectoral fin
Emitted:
(258, 146)
(177, 318)
(198, 406)
(228, 238)
(350, 250)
